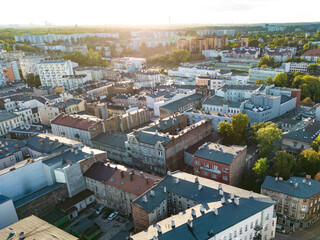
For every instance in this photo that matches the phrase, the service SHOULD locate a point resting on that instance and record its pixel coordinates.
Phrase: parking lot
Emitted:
(120, 225)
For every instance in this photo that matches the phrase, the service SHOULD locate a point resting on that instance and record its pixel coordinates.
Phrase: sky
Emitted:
(146, 12)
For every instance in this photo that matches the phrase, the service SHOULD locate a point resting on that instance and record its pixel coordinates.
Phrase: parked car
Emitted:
(112, 216)
(280, 229)
(100, 209)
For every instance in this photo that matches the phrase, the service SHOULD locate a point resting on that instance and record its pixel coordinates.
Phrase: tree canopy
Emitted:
(234, 132)
(283, 164)
(261, 168)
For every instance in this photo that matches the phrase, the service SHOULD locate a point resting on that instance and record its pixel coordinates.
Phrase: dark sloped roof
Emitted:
(303, 190)
(181, 102)
(219, 101)
(305, 134)
(99, 172)
(70, 202)
(219, 153)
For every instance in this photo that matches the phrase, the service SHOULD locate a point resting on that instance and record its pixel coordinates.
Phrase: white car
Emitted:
(100, 209)
(112, 216)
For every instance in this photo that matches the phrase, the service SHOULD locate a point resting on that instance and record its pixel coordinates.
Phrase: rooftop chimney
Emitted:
(152, 193)
(193, 212)
(276, 178)
(236, 201)
(21, 236)
(141, 174)
(220, 186)
(131, 177)
(164, 189)
(159, 228)
(173, 225)
(215, 210)
(144, 198)
(169, 173)
(280, 178)
(232, 196)
(196, 180)
(176, 180)
(309, 183)
(122, 174)
(199, 187)
(221, 192)
(190, 223)
(223, 200)
(147, 180)
(251, 194)
(201, 209)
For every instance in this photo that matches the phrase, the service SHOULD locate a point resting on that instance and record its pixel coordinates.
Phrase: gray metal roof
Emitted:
(181, 102)
(219, 153)
(305, 134)
(302, 189)
(219, 101)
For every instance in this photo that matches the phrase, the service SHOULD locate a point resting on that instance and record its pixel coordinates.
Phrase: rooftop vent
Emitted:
(152, 193)
(220, 186)
(164, 189)
(309, 183)
(304, 181)
(147, 180)
(223, 200)
(199, 187)
(173, 225)
(232, 196)
(236, 201)
(215, 211)
(144, 198)
(221, 192)
(280, 178)
(251, 194)
(201, 209)
(193, 212)
(196, 180)
(176, 180)
(159, 228)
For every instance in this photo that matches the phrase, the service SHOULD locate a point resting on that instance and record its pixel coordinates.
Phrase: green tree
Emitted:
(281, 80)
(261, 168)
(266, 137)
(180, 55)
(225, 130)
(314, 68)
(253, 43)
(269, 81)
(283, 164)
(309, 161)
(264, 66)
(235, 131)
(316, 143)
(266, 60)
(307, 102)
(259, 82)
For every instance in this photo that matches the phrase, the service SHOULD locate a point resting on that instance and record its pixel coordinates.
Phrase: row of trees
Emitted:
(91, 59)
(173, 59)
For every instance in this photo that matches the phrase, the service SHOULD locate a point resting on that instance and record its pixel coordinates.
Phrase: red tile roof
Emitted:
(313, 52)
(138, 185)
(73, 122)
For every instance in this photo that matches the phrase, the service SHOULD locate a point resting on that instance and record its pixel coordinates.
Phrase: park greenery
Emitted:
(234, 133)
(91, 59)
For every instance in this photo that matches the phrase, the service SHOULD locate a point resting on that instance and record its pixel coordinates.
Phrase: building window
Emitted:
(225, 170)
(225, 178)
(197, 162)
(214, 176)
(246, 228)
(205, 173)
(197, 170)
(207, 165)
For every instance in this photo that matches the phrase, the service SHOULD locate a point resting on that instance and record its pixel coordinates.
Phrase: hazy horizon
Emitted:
(142, 12)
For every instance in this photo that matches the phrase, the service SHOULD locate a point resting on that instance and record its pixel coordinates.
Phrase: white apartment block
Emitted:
(52, 71)
(294, 67)
(192, 72)
(70, 82)
(8, 121)
(29, 65)
(263, 73)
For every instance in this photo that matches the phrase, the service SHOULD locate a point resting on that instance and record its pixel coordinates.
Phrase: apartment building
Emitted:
(10, 71)
(28, 65)
(77, 127)
(243, 41)
(300, 138)
(197, 45)
(194, 215)
(295, 67)
(192, 72)
(93, 73)
(50, 111)
(180, 105)
(70, 82)
(221, 163)
(129, 63)
(312, 55)
(263, 73)
(297, 200)
(160, 147)
(8, 121)
(52, 71)
(116, 186)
